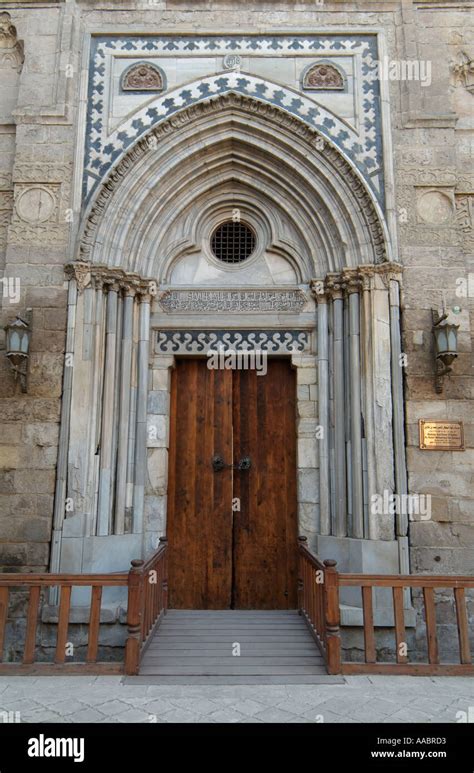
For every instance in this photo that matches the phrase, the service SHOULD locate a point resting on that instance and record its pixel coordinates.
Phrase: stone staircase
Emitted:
(196, 647)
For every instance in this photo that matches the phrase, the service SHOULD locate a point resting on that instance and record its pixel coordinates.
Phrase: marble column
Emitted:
(106, 440)
(401, 483)
(142, 394)
(96, 406)
(61, 473)
(352, 289)
(323, 407)
(124, 407)
(335, 290)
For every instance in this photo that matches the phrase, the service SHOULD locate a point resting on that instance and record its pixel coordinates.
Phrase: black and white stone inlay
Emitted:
(201, 341)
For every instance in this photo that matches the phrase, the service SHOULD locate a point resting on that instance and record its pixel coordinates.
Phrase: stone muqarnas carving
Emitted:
(323, 77)
(11, 49)
(143, 76)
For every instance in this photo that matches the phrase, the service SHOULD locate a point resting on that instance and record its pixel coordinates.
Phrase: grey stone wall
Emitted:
(36, 154)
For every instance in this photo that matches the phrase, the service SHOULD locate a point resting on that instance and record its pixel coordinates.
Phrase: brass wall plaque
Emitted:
(441, 435)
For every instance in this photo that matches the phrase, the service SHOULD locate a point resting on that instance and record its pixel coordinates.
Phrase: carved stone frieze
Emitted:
(6, 200)
(465, 219)
(5, 181)
(421, 175)
(42, 172)
(232, 300)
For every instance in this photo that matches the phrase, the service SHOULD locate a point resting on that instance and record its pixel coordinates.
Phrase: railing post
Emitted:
(301, 541)
(332, 617)
(164, 541)
(134, 618)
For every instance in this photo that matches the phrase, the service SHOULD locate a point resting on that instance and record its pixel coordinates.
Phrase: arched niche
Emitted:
(236, 152)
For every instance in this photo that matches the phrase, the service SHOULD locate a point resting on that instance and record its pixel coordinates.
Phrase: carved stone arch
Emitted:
(335, 212)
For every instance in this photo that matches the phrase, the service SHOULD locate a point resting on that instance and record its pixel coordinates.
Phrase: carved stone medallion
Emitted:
(143, 76)
(323, 77)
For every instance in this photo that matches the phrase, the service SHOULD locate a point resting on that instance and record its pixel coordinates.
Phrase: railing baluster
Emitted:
(31, 624)
(63, 624)
(3, 617)
(463, 629)
(430, 616)
(400, 635)
(134, 618)
(94, 624)
(332, 618)
(369, 632)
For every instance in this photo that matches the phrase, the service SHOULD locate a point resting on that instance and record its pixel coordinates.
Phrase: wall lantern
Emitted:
(446, 347)
(18, 344)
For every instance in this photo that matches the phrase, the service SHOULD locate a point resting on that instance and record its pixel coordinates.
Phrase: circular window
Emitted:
(233, 242)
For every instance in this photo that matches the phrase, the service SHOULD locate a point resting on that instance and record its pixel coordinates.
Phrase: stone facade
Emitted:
(84, 149)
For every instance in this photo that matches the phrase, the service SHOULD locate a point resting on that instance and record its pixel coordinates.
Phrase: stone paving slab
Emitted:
(374, 699)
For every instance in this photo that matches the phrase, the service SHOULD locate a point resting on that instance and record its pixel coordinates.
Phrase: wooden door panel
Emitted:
(199, 500)
(265, 528)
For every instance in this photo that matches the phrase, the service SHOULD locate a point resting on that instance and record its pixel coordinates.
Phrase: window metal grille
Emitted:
(233, 242)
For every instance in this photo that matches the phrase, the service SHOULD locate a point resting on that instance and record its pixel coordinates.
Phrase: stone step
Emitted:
(225, 670)
(252, 649)
(274, 645)
(163, 679)
(231, 661)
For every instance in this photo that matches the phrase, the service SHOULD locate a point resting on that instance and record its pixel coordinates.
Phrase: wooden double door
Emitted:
(232, 530)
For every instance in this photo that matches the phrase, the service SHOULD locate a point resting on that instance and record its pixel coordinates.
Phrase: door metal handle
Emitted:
(218, 464)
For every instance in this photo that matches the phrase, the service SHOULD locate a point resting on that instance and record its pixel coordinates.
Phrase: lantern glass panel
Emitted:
(14, 343)
(441, 340)
(452, 339)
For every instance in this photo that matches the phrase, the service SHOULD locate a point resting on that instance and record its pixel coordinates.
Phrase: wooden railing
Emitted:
(319, 604)
(319, 584)
(41, 583)
(429, 584)
(147, 601)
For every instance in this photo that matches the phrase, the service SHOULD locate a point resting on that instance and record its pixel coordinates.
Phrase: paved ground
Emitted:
(360, 699)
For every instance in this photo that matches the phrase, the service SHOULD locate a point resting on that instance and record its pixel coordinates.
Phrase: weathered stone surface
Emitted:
(307, 486)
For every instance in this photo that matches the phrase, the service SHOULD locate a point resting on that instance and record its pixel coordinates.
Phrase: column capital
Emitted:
(80, 270)
(111, 285)
(334, 286)
(115, 278)
(147, 290)
(386, 271)
(318, 290)
(351, 281)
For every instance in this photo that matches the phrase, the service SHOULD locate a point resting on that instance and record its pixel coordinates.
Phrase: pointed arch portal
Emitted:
(319, 289)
